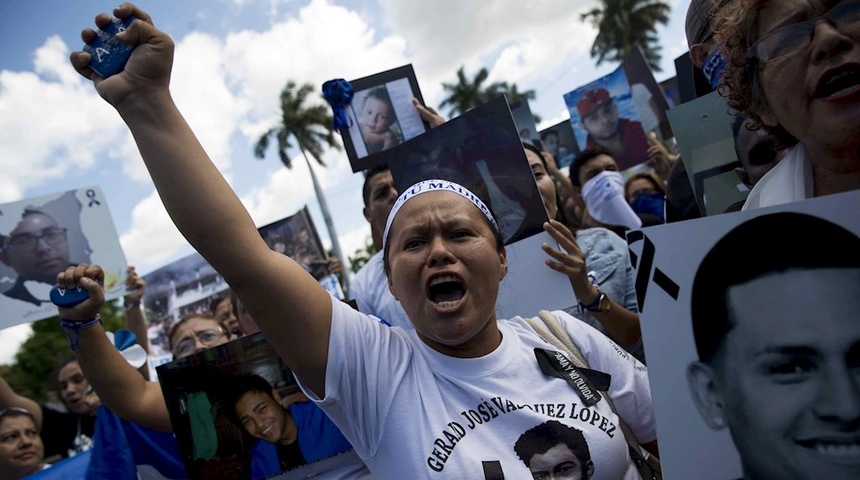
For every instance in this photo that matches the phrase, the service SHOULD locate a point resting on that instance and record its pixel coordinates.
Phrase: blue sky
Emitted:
(232, 59)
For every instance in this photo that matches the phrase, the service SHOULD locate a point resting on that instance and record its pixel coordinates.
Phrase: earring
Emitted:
(718, 422)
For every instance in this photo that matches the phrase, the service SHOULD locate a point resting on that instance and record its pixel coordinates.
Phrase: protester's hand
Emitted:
(134, 286)
(570, 261)
(147, 70)
(91, 399)
(91, 278)
(659, 157)
(428, 114)
(335, 267)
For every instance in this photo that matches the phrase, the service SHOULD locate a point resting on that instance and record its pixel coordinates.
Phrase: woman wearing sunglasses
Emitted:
(794, 69)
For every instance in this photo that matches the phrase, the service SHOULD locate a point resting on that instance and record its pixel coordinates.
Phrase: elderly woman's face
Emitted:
(812, 80)
(445, 271)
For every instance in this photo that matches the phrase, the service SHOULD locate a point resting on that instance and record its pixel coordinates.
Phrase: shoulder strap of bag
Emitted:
(550, 329)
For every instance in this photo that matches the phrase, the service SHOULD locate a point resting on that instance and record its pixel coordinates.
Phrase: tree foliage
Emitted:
(310, 125)
(32, 374)
(623, 25)
(466, 94)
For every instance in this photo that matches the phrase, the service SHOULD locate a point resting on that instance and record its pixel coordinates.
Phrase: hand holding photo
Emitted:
(381, 115)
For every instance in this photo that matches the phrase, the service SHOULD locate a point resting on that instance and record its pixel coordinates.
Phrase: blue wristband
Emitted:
(76, 326)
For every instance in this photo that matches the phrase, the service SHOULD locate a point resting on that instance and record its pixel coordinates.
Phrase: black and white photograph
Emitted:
(752, 342)
(238, 413)
(42, 236)
(381, 115)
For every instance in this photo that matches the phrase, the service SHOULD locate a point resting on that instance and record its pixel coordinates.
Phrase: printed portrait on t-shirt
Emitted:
(555, 450)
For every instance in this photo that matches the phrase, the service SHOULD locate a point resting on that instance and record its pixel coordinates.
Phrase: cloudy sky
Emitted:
(233, 57)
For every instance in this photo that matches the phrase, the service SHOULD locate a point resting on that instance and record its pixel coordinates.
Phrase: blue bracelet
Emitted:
(76, 326)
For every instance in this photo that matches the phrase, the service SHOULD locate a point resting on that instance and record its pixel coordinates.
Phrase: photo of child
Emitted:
(381, 116)
(376, 119)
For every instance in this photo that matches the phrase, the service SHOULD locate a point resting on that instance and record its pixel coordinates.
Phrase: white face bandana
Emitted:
(435, 185)
(604, 197)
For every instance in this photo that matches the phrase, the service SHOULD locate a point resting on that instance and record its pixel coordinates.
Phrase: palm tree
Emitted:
(467, 94)
(623, 25)
(311, 126)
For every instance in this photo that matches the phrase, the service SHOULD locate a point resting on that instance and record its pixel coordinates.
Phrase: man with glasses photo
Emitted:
(37, 249)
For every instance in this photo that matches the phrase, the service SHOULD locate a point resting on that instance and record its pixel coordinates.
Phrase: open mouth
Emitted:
(446, 291)
(266, 431)
(838, 82)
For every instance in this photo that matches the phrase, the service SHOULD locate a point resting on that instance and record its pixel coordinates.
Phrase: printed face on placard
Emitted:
(37, 248)
(788, 374)
(261, 416)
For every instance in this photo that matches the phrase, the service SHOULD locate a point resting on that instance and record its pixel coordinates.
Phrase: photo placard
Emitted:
(560, 142)
(482, 151)
(41, 237)
(741, 327)
(381, 116)
(233, 405)
(297, 237)
(603, 114)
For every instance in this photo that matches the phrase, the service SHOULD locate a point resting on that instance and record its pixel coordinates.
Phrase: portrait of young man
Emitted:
(555, 450)
(622, 137)
(774, 308)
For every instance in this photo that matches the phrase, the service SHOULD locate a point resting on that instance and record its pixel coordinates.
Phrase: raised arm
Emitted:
(119, 386)
(135, 317)
(290, 306)
(9, 398)
(621, 324)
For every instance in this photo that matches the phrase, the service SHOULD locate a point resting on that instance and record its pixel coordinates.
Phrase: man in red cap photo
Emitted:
(624, 138)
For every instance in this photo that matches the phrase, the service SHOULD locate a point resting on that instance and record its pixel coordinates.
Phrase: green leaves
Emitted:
(625, 24)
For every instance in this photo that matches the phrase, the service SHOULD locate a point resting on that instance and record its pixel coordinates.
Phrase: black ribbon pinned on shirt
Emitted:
(585, 382)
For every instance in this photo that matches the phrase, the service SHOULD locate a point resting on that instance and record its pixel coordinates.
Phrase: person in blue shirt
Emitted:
(287, 437)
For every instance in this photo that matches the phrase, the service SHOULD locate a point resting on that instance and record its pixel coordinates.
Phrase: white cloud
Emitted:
(323, 41)
(563, 115)
(11, 338)
(152, 237)
(51, 122)
(530, 42)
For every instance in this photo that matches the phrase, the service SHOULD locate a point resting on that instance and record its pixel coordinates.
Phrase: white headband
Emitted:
(435, 185)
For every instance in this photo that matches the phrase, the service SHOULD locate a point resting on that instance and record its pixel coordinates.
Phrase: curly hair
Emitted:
(741, 82)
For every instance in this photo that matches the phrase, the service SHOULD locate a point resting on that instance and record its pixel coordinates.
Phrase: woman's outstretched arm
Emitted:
(290, 306)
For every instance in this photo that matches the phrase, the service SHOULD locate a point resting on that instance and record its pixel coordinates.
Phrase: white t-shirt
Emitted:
(412, 412)
(789, 181)
(370, 291)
